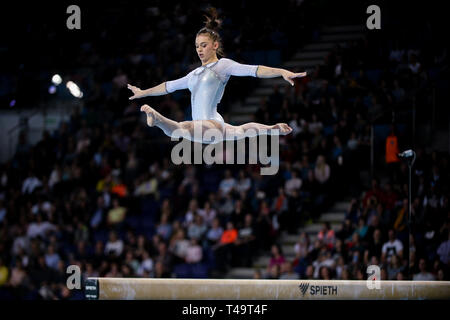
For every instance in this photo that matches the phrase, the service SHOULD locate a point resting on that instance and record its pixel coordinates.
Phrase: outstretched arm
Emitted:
(159, 90)
(268, 72)
(234, 68)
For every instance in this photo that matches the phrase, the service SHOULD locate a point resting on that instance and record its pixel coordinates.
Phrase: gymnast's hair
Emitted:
(212, 26)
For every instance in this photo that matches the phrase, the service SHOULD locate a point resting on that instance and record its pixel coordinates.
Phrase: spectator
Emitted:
(164, 228)
(224, 249)
(309, 274)
(52, 258)
(362, 228)
(18, 276)
(375, 246)
(294, 183)
(21, 241)
(194, 253)
(414, 65)
(116, 215)
(322, 170)
(245, 243)
(441, 275)
(214, 234)
(257, 274)
(444, 250)
(237, 215)
(4, 273)
(40, 228)
(276, 258)
(327, 236)
(244, 182)
(30, 183)
(114, 247)
(287, 272)
(114, 271)
(90, 272)
(355, 247)
(324, 273)
(197, 228)
(394, 267)
(208, 214)
(226, 208)
(340, 268)
(99, 214)
(178, 246)
(146, 266)
(302, 246)
(392, 151)
(375, 193)
(227, 185)
(391, 247)
(148, 186)
(191, 213)
(423, 274)
(274, 272)
(324, 260)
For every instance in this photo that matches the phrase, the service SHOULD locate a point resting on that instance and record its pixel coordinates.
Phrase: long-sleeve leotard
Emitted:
(207, 84)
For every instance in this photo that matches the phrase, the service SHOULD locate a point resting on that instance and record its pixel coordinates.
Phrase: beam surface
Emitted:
(237, 289)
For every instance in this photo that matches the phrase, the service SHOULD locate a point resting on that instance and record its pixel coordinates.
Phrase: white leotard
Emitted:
(207, 84)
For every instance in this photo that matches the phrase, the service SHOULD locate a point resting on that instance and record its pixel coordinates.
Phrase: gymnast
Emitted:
(207, 84)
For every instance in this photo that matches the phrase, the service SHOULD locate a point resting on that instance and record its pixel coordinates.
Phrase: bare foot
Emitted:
(151, 114)
(283, 127)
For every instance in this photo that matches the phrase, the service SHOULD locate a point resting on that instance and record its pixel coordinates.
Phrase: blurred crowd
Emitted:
(101, 193)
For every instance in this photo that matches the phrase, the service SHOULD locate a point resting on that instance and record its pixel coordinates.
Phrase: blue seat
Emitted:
(133, 221)
(199, 271)
(209, 258)
(101, 235)
(182, 270)
(165, 193)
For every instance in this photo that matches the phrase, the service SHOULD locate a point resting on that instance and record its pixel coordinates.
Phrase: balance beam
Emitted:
(237, 289)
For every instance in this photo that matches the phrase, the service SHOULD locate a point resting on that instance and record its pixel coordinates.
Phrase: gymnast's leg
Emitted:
(253, 129)
(183, 129)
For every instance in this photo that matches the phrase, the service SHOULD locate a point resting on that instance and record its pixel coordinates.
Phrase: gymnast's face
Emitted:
(206, 47)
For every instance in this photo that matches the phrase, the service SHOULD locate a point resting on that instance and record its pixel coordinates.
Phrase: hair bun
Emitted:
(212, 21)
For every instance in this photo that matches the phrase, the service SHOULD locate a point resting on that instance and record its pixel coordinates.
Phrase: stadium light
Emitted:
(56, 79)
(74, 89)
(52, 89)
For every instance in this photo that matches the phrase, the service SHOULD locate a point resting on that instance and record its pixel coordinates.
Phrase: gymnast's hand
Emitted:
(138, 93)
(288, 76)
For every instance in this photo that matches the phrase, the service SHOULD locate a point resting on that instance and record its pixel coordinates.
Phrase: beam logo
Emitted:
(303, 288)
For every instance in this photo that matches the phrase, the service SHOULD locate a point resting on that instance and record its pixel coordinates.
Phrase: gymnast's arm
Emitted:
(158, 90)
(268, 72)
(241, 70)
(161, 89)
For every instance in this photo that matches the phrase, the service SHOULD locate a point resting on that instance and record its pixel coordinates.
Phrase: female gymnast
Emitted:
(207, 84)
